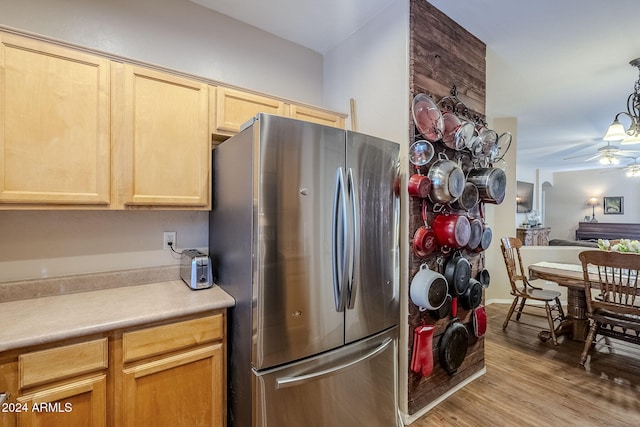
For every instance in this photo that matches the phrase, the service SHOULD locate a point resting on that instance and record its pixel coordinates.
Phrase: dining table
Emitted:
(576, 322)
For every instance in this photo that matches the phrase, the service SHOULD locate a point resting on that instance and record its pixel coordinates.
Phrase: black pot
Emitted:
(457, 272)
(472, 297)
(453, 345)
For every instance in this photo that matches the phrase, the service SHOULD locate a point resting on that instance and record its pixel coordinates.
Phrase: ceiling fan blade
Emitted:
(578, 156)
(595, 156)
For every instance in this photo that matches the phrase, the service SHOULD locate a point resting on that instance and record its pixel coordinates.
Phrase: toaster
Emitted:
(195, 269)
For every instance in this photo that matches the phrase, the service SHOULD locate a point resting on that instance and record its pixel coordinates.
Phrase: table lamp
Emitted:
(593, 202)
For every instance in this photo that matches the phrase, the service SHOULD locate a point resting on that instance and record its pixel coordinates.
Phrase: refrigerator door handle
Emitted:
(339, 242)
(354, 238)
(292, 381)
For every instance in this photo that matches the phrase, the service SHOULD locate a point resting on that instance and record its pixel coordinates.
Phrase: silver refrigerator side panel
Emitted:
(231, 246)
(375, 299)
(351, 386)
(296, 314)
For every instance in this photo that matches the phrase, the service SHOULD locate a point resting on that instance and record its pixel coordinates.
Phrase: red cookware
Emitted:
(428, 289)
(479, 321)
(422, 357)
(452, 231)
(419, 185)
(424, 239)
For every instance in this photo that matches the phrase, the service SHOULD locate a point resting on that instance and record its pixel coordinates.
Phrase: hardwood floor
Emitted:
(531, 383)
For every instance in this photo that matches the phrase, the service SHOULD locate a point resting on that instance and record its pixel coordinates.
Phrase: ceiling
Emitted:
(560, 67)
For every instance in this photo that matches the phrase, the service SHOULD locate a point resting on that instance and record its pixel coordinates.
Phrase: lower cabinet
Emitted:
(180, 390)
(168, 374)
(173, 374)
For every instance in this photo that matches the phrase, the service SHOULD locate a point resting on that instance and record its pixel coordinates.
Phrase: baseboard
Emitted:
(408, 419)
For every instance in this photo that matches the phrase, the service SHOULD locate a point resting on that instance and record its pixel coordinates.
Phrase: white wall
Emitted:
(180, 35)
(176, 34)
(372, 67)
(566, 202)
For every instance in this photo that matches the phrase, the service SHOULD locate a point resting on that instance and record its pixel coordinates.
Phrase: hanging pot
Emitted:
(484, 278)
(468, 199)
(453, 345)
(472, 296)
(443, 311)
(419, 186)
(422, 355)
(475, 236)
(424, 239)
(428, 289)
(427, 117)
(457, 272)
(447, 180)
(487, 236)
(452, 231)
(491, 183)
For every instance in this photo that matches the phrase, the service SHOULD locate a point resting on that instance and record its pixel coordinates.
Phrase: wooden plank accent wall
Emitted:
(442, 54)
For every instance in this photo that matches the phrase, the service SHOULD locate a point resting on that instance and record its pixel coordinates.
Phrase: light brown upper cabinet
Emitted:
(316, 116)
(54, 125)
(230, 108)
(161, 138)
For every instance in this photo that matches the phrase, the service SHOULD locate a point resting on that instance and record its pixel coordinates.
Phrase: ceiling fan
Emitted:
(608, 154)
(632, 169)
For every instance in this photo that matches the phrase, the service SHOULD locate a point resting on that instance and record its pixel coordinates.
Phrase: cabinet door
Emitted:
(234, 107)
(54, 124)
(79, 403)
(162, 138)
(316, 116)
(183, 389)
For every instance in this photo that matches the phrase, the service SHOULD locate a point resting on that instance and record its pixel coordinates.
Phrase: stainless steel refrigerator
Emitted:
(304, 235)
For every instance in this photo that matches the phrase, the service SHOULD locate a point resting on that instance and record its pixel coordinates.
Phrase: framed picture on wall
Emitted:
(613, 205)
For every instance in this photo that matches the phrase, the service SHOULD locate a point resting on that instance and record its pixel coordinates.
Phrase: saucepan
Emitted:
(491, 183)
(452, 230)
(447, 180)
(476, 233)
(484, 278)
(457, 272)
(472, 296)
(424, 239)
(468, 199)
(428, 289)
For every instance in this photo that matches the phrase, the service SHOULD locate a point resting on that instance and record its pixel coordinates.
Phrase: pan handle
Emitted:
(339, 242)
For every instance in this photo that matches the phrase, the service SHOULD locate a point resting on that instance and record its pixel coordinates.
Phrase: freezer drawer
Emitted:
(352, 386)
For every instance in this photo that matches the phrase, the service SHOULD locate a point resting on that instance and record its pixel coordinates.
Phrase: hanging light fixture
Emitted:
(616, 131)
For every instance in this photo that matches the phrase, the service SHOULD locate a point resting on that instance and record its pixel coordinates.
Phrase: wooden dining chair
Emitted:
(612, 288)
(522, 290)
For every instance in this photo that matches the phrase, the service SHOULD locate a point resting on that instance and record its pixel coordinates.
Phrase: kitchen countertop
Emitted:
(47, 319)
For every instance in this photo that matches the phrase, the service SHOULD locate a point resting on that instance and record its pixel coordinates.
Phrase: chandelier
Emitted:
(616, 131)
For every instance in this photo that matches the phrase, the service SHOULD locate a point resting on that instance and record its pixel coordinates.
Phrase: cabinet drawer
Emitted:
(175, 336)
(62, 362)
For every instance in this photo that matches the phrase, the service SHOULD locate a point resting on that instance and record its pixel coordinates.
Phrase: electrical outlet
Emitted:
(169, 237)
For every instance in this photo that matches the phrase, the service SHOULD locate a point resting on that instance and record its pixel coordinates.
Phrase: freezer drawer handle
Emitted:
(285, 382)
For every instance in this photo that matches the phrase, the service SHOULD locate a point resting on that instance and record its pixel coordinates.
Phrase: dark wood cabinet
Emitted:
(534, 236)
